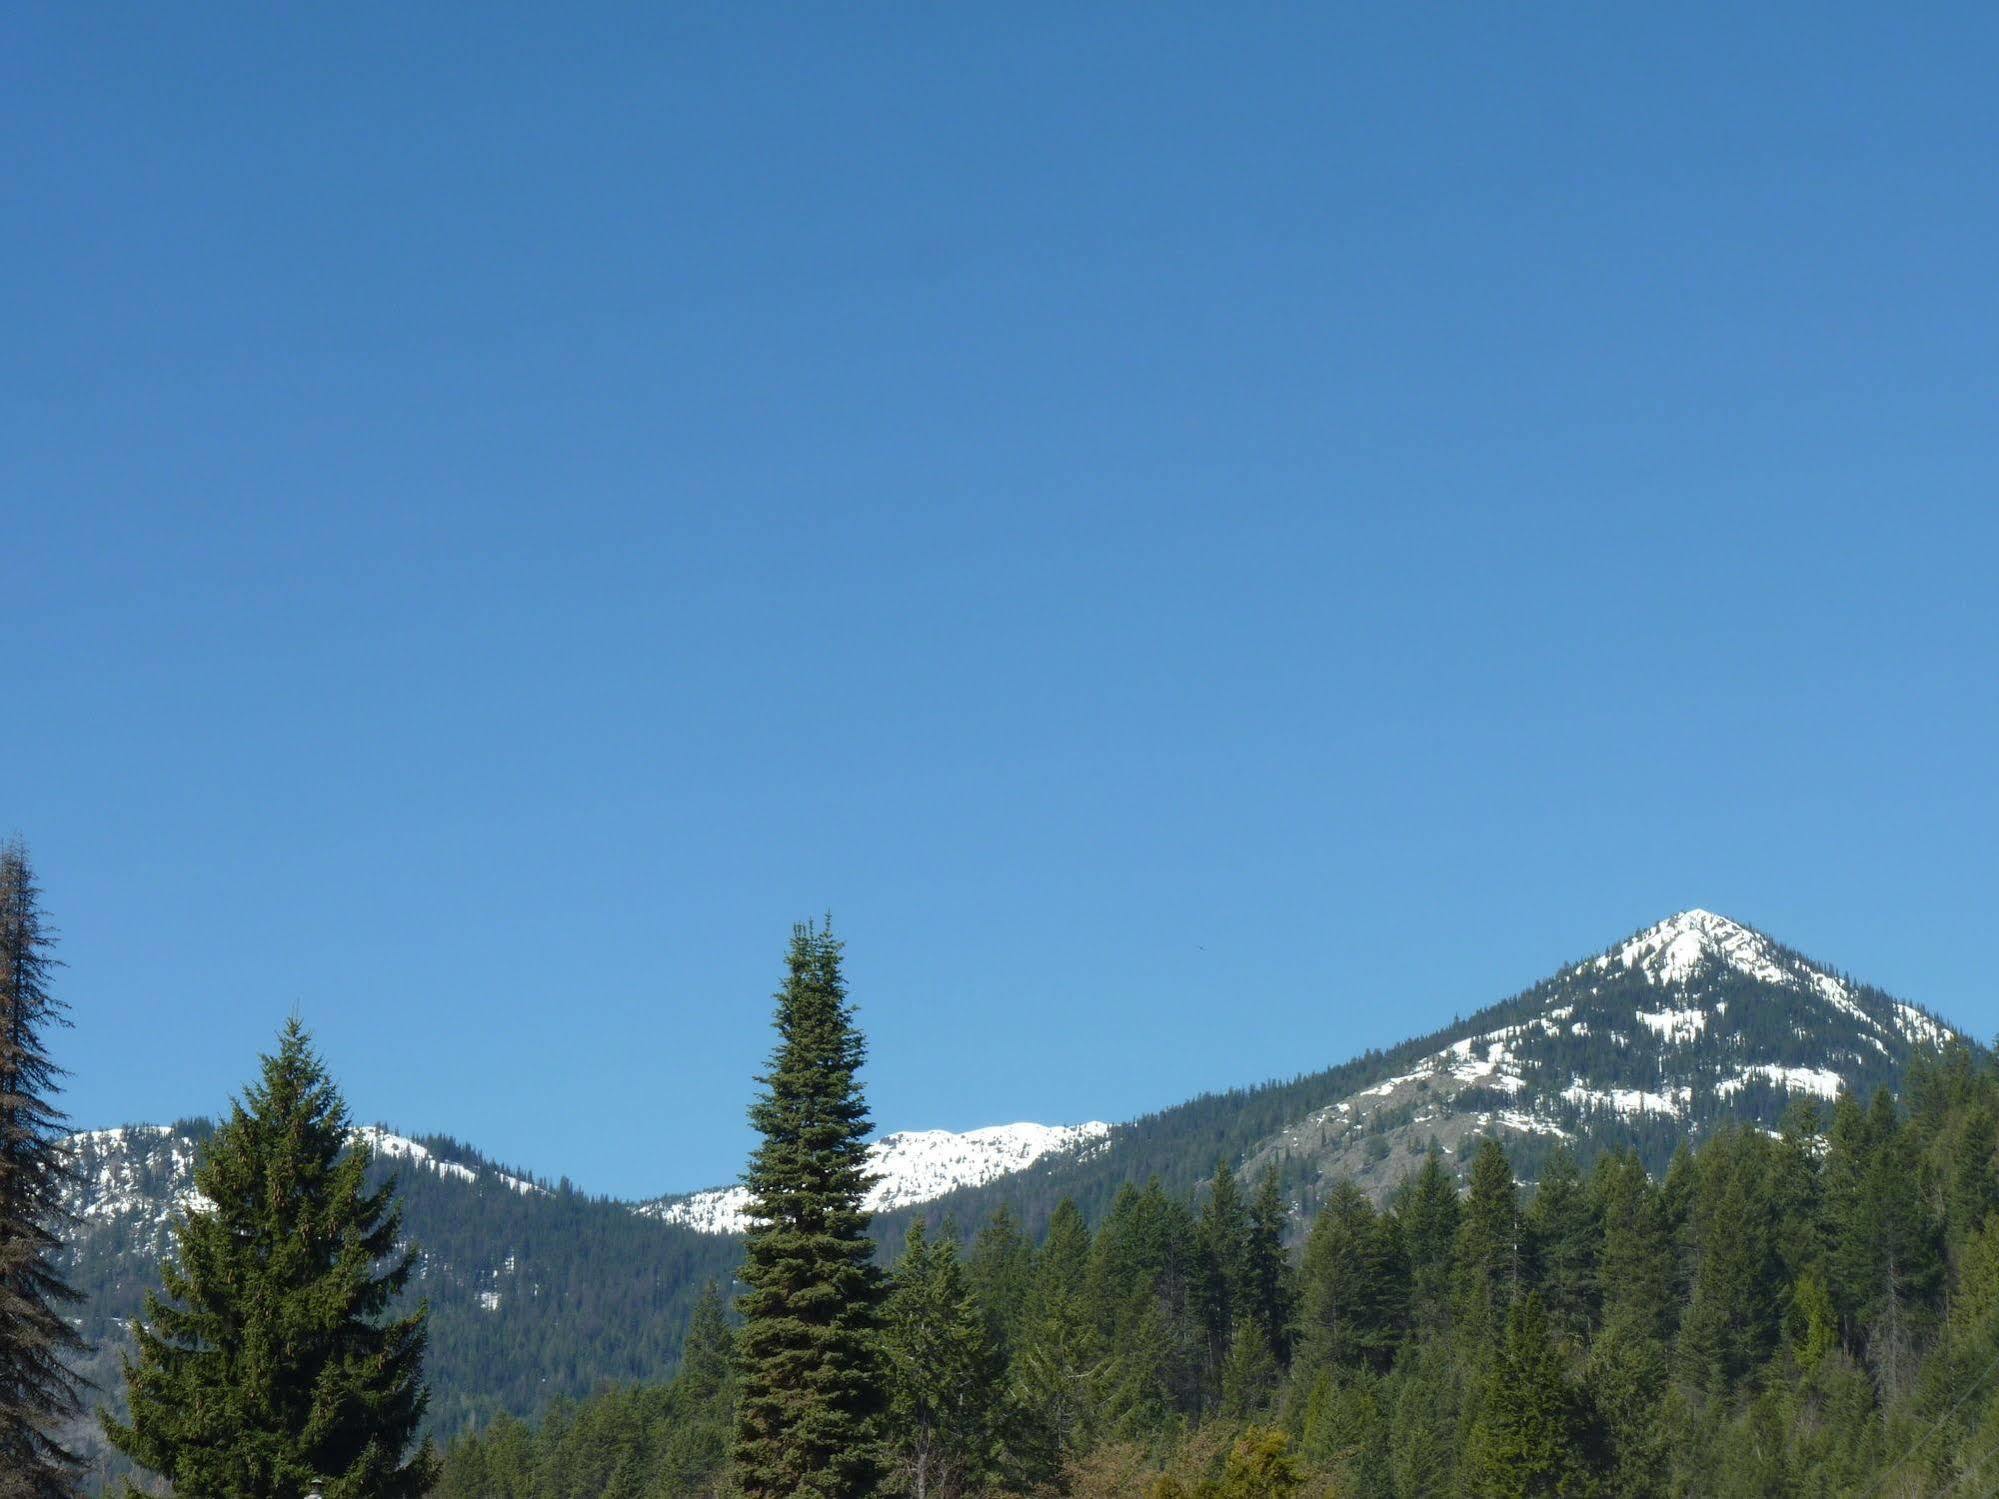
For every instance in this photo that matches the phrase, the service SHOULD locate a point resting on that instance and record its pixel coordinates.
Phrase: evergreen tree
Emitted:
(700, 1405)
(1566, 1240)
(1344, 1431)
(1488, 1247)
(1250, 1376)
(1145, 1271)
(265, 1372)
(1424, 1437)
(1000, 1270)
(1637, 1260)
(1732, 1311)
(1223, 1267)
(1896, 1242)
(809, 1414)
(1061, 1368)
(944, 1374)
(1427, 1211)
(1269, 1291)
(1529, 1440)
(1353, 1293)
(708, 1354)
(38, 1392)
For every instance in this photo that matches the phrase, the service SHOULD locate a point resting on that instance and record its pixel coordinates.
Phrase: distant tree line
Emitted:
(1812, 1310)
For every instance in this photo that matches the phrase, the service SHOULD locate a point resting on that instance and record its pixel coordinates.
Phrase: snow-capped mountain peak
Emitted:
(1695, 1019)
(1674, 950)
(911, 1166)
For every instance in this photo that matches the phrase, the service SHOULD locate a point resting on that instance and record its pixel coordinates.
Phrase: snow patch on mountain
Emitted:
(399, 1148)
(1674, 1025)
(1630, 1101)
(1919, 1028)
(1819, 1080)
(143, 1174)
(911, 1167)
(1674, 950)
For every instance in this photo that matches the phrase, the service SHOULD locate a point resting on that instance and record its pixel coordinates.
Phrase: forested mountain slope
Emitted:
(538, 1290)
(1648, 1044)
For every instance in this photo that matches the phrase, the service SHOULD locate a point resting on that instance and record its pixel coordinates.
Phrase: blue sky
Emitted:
(1207, 538)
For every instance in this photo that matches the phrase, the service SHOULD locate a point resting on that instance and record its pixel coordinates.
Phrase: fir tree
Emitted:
(1223, 1266)
(1565, 1237)
(1269, 1291)
(38, 1391)
(708, 1354)
(809, 1415)
(944, 1374)
(1061, 1370)
(1000, 1271)
(1344, 1431)
(1488, 1247)
(1731, 1317)
(266, 1371)
(1427, 1210)
(1353, 1297)
(1637, 1253)
(1530, 1432)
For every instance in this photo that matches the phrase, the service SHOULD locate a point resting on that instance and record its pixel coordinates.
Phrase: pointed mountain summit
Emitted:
(1693, 1021)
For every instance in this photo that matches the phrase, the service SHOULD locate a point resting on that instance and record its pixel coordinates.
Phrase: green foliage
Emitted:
(946, 1375)
(1800, 1311)
(39, 1389)
(270, 1366)
(813, 1392)
(1489, 1248)
(1531, 1428)
(1354, 1286)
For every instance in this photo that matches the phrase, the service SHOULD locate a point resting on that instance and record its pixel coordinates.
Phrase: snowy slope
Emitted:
(135, 1178)
(1692, 1020)
(912, 1167)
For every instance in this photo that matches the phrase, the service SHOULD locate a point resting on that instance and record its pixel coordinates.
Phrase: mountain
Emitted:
(538, 1290)
(915, 1166)
(1655, 1041)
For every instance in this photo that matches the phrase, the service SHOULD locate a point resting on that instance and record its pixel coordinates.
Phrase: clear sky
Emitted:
(1208, 538)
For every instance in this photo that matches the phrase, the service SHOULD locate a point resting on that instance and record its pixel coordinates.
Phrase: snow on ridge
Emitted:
(1628, 1100)
(387, 1142)
(912, 1166)
(1918, 1027)
(1794, 1079)
(401, 1148)
(114, 1165)
(111, 1180)
(1672, 951)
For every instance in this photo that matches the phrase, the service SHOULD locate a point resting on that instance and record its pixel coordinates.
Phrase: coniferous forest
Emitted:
(1811, 1310)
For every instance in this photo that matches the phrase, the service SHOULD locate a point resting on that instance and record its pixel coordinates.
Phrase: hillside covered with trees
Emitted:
(1811, 1313)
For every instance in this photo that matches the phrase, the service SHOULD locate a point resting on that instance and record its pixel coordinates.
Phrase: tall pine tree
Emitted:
(267, 1371)
(809, 1415)
(38, 1392)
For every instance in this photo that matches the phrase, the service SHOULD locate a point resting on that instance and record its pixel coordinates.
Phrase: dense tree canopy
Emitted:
(1806, 1311)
